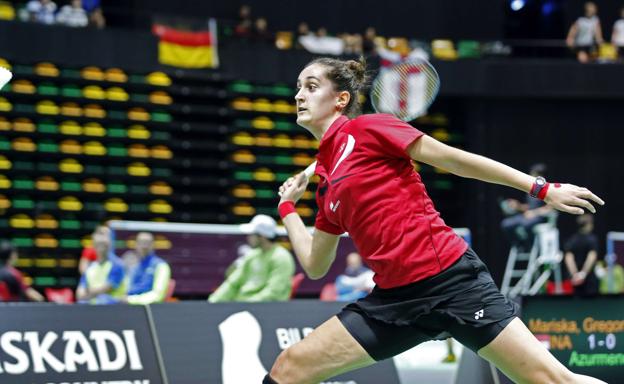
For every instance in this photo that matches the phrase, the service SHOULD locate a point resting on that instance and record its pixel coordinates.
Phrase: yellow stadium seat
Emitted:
(92, 73)
(138, 169)
(93, 92)
(23, 86)
(138, 114)
(304, 210)
(4, 202)
(264, 174)
(443, 49)
(158, 78)
(7, 11)
(94, 129)
(46, 183)
(243, 209)
(94, 111)
(160, 97)
(94, 148)
(23, 124)
(5, 163)
(282, 106)
(161, 242)
(262, 105)
(160, 207)
(115, 75)
(4, 182)
(263, 140)
(23, 144)
(117, 94)
(5, 64)
(5, 105)
(138, 150)
(70, 166)
(115, 205)
(138, 132)
(262, 122)
(47, 69)
(71, 147)
(243, 156)
(69, 203)
(243, 138)
(45, 240)
(242, 104)
(4, 124)
(46, 221)
(71, 128)
(47, 107)
(161, 152)
(22, 221)
(244, 191)
(282, 141)
(398, 44)
(93, 185)
(607, 52)
(301, 142)
(71, 109)
(302, 159)
(440, 134)
(160, 188)
(283, 39)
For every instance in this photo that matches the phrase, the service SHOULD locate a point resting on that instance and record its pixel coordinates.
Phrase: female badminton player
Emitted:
(429, 283)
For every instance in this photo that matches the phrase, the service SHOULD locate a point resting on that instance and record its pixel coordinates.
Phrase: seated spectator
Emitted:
(12, 284)
(88, 253)
(73, 15)
(241, 252)
(322, 43)
(41, 11)
(586, 33)
(244, 25)
(302, 30)
(266, 271)
(261, 31)
(369, 46)
(150, 278)
(96, 19)
(356, 281)
(518, 227)
(103, 281)
(581, 253)
(617, 36)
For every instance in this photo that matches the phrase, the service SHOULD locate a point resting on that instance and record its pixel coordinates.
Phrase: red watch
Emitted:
(539, 188)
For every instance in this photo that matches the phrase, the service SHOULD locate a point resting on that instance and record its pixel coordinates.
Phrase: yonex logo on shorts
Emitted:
(478, 314)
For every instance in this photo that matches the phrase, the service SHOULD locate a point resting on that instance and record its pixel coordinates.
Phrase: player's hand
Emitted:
(571, 199)
(293, 188)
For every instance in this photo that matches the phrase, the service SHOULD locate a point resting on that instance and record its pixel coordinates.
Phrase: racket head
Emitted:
(405, 90)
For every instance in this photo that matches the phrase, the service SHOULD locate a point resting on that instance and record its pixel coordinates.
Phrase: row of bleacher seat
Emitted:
(92, 148)
(73, 166)
(88, 185)
(263, 105)
(245, 139)
(73, 204)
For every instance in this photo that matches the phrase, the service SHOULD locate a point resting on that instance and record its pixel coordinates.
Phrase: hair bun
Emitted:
(358, 68)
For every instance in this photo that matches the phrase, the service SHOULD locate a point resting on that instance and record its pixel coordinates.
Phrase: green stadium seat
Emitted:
(70, 74)
(95, 169)
(116, 188)
(243, 175)
(117, 150)
(117, 115)
(282, 90)
(70, 224)
(45, 281)
(468, 49)
(47, 127)
(161, 117)
(23, 183)
(5, 145)
(48, 89)
(71, 91)
(70, 243)
(70, 186)
(22, 203)
(241, 86)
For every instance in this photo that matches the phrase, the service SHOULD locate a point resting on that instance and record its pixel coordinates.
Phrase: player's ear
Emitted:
(342, 100)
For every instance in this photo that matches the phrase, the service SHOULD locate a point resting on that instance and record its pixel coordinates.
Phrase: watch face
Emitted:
(540, 181)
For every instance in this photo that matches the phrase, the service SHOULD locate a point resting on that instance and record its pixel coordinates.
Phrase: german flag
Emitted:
(187, 47)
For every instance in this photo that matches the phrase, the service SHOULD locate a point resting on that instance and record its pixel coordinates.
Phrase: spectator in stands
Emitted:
(103, 281)
(586, 33)
(369, 46)
(96, 19)
(322, 43)
(581, 253)
(266, 272)
(302, 30)
(261, 32)
(241, 252)
(356, 281)
(41, 11)
(518, 227)
(88, 253)
(73, 15)
(352, 44)
(245, 24)
(12, 284)
(149, 280)
(617, 36)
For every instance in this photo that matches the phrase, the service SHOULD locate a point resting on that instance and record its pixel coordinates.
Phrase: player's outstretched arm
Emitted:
(564, 197)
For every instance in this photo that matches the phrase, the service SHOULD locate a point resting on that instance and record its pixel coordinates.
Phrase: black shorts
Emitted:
(461, 301)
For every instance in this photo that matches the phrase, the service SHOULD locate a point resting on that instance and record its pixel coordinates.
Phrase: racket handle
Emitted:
(309, 171)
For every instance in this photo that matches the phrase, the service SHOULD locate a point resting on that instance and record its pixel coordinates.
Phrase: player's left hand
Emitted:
(293, 188)
(571, 199)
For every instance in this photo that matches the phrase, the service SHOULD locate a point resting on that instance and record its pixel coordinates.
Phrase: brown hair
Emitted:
(346, 75)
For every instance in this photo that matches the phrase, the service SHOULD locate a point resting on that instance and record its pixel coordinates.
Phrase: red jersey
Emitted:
(89, 254)
(369, 188)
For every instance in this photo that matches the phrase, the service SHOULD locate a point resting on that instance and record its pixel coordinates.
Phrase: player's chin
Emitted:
(303, 120)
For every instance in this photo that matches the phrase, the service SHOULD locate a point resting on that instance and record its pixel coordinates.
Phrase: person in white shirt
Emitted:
(617, 36)
(41, 11)
(73, 15)
(586, 33)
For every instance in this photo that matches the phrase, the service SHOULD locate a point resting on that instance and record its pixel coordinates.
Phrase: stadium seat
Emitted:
(282, 141)
(243, 191)
(4, 182)
(115, 204)
(138, 150)
(23, 124)
(282, 106)
(48, 89)
(46, 221)
(23, 144)
(92, 73)
(138, 114)
(160, 206)
(115, 75)
(468, 49)
(93, 185)
(262, 105)
(243, 209)
(47, 69)
(243, 138)
(160, 97)
(59, 295)
(71, 109)
(159, 79)
(161, 152)
(297, 279)
(70, 90)
(94, 111)
(160, 188)
(243, 156)
(46, 183)
(262, 122)
(398, 44)
(263, 174)
(443, 49)
(70, 203)
(328, 292)
(21, 220)
(93, 92)
(70, 147)
(138, 169)
(137, 131)
(241, 86)
(7, 11)
(117, 94)
(23, 86)
(71, 128)
(284, 40)
(47, 107)
(5, 125)
(70, 166)
(5, 163)
(242, 104)
(94, 129)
